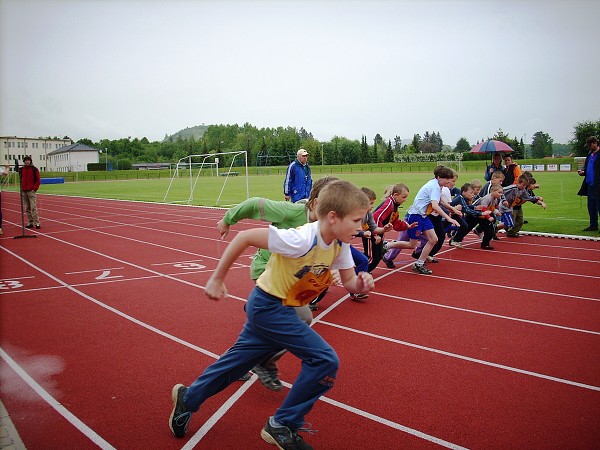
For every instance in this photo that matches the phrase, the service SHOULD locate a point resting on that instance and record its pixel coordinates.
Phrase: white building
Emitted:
(13, 147)
(72, 158)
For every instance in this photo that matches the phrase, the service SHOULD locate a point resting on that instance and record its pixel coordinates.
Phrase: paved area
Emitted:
(9, 438)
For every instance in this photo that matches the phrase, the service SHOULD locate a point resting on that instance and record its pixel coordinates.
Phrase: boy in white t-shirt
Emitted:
(426, 202)
(298, 269)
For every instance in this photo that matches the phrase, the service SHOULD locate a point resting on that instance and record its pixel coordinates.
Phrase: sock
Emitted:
(274, 423)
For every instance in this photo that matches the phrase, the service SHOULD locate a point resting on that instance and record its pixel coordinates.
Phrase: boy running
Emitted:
(299, 265)
(426, 201)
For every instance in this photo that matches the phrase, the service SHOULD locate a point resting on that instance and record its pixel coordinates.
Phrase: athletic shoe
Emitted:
(359, 297)
(245, 377)
(432, 260)
(29, 226)
(513, 235)
(455, 244)
(268, 377)
(283, 437)
(420, 268)
(389, 263)
(180, 416)
(1, 232)
(591, 229)
(313, 306)
(496, 238)
(37, 227)
(385, 247)
(486, 247)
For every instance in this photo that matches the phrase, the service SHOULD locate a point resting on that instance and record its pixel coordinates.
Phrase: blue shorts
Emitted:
(424, 224)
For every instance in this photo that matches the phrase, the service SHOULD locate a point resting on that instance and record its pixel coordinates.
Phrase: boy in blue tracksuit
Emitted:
(300, 263)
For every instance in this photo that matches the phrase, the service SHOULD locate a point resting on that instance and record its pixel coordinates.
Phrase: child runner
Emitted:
(281, 215)
(300, 264)
(471, 216)
(385, 214)
(371, 234)
(428, 197)
(488, 202)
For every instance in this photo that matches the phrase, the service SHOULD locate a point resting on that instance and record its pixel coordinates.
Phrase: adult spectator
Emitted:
(495, 166)
(590, 186)
(4, 171)
(298, 180)
(30, 183)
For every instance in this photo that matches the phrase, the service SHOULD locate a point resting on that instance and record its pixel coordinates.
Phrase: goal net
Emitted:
(211, 179)
(454, 165)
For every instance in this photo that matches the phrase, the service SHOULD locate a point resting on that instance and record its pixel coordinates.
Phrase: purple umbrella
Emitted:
(491, 146)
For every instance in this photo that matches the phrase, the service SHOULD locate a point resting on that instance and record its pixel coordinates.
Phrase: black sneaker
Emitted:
(180, 416)
(420, 268)
(268, 377)
(389, 263)
(283, 437)
(359, 297)
(591, 229)
(29, 226)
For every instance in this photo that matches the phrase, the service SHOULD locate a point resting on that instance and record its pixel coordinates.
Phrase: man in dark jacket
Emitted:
(298, 179)
(591, 182)
(30, 183)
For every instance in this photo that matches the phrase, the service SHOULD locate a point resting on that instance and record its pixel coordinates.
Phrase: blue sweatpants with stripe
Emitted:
(271, 327)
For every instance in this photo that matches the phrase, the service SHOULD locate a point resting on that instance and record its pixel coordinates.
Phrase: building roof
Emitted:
(73, 148)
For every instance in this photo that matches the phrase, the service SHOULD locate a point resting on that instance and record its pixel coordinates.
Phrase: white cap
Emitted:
(301, 152)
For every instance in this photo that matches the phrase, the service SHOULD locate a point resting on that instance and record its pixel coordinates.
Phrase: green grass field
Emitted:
(566, 212)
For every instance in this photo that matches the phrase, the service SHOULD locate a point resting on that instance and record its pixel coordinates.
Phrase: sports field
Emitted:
(566, 212)
(104, 311)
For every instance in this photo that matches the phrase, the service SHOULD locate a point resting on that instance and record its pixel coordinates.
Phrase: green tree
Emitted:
(462, 145)
(389, 153)
(416, 142)
(584, 130)
(541, 145)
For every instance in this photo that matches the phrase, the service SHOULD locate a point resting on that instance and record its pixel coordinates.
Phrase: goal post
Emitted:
(193, 178)
(454, 165)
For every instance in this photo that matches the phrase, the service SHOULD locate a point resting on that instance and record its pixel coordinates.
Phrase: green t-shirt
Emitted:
(280, 214)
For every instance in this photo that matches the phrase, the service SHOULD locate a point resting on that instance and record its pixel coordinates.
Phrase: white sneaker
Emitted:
(456, 244)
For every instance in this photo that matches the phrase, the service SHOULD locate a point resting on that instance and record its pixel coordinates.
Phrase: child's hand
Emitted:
(337, 280)
(413, 225)
(454, 222)
(367, 234)
(215, 289)
(541, 199)
(364, 282)
(542, 204)
(505, 203)
(486, 212)
(377, 239)
(223, 228)
(387, 227)
(480, 208)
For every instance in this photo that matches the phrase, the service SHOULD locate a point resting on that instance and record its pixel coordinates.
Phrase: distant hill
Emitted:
(196, 132)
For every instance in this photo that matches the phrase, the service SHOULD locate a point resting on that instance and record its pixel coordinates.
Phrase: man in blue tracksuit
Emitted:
(298, 180)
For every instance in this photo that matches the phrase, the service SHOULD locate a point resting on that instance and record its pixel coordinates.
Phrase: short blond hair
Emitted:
(342, 197)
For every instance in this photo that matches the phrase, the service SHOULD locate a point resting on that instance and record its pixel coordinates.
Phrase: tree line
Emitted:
(278, 146)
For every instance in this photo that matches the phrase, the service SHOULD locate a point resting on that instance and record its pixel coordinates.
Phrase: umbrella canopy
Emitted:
(491, 146)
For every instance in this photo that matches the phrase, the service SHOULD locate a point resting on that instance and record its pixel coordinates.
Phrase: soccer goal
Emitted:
(202, 179)
(454, 165)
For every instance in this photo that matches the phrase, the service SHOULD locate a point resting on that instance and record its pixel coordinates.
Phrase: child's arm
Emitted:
(436, 207)
(256, 237)
(254, 208)
(360, 283)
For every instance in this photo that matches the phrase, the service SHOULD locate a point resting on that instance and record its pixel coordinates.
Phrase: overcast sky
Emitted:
(120, 68)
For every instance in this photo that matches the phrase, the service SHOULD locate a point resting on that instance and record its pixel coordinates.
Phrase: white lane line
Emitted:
(464, 358)
(60, 409)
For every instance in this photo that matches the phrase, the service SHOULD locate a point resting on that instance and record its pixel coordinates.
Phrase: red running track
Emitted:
(104, 312)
